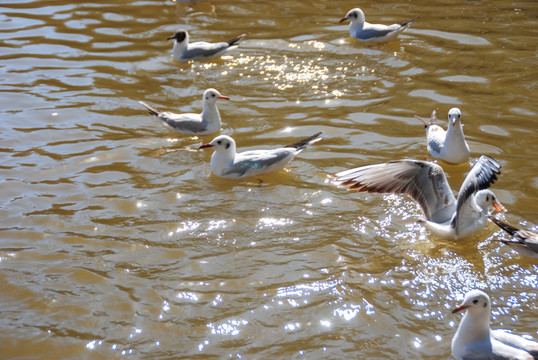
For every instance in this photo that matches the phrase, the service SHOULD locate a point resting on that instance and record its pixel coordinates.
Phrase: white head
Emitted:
(180, 36)
(454, 116)
(211, 96)
(477, 304)
(356, 16)
(486, 199)
(221, 143)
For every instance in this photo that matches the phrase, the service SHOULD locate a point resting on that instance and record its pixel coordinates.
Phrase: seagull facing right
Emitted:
(474, 340)
(183, 51)
(449, 146)
(524, 241)
(192, 124)
(426, 183)
(372, 33)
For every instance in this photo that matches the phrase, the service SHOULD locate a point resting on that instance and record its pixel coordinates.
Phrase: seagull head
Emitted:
(211, 96)
(476, 302)
(454, 116)
(486, 198)
(355, 16)
(179, 36)
(221, 143)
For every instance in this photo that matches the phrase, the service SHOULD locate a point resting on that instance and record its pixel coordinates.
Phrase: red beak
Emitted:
(341, 21)
(205, 146)
(171, 37)
(499, 207)
(459, 308)
(224, 97)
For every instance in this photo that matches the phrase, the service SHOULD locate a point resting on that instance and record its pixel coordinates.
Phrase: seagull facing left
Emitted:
(474, 340)
(426, 183)
(183, 51)
(228, 164)
(373, 33)
(450, 145)
(192, 124)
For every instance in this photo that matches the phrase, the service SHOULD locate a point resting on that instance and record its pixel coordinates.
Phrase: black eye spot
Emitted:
(213, 95)
(487, 197)
(485, 304)
(475, 301)
(219, 142)
(227, 145)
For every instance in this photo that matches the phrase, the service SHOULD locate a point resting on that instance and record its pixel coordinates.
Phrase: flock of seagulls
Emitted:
(445, 215)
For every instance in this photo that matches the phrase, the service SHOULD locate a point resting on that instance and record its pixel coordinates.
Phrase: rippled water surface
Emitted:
(116, 241)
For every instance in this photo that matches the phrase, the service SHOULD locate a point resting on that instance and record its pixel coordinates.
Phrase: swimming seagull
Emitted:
(474, 340)
(426, 183)
(228, 164)
(449, 146)
(524, 241)
(206, 122)
(374, 33)
(183, 51)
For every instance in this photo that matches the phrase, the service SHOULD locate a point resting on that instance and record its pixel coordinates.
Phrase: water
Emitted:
(117, 242)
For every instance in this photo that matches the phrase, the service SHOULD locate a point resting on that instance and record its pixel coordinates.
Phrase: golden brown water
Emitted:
(117, 242)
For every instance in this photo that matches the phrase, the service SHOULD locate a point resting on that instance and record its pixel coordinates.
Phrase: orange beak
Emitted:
(224, 97)
(499, 207)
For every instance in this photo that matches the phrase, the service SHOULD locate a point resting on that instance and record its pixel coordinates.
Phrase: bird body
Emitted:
(426, 183)
(474, 340)
(450, 145)
(207, 122)
(184, 51)
(372, 33)
(226, 163)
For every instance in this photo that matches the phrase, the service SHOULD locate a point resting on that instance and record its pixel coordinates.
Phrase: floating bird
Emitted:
(226, 163)
(373, 33)
(183, 51)
(524, 241)
(206, 122)
(474, 340)
(450, 145)
(426, 183)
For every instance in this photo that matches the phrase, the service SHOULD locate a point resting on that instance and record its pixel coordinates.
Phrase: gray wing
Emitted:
(482, 175)
(372, 33)
(205, 49)
(425, 182)
(184, 123)
(516, 341)
(258, 161)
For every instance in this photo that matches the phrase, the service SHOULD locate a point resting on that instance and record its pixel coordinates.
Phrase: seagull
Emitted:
(449, 146)
(228, 164)
(426, 183)
(183, 51)
(526, 242)
(373, 33)
(474, 340)
(193, 124)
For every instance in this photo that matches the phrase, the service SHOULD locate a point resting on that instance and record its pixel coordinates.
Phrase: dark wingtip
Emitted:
(307, 141)
(235, 40)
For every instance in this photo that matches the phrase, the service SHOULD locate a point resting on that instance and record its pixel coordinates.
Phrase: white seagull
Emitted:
(373, 33)
(183, 51)
(228, 164)
(207, 122)
(524, 241)
(426, 183)
(449, 146)
(474, 340)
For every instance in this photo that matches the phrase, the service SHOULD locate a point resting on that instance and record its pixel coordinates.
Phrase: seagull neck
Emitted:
(179, 48)
(210, 114)
(475, 328)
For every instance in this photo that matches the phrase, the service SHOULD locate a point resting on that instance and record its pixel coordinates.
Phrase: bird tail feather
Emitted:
(152, 110)
(301, 144)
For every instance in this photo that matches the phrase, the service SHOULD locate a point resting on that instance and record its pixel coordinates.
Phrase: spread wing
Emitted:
(425, 182)
(482, 175)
